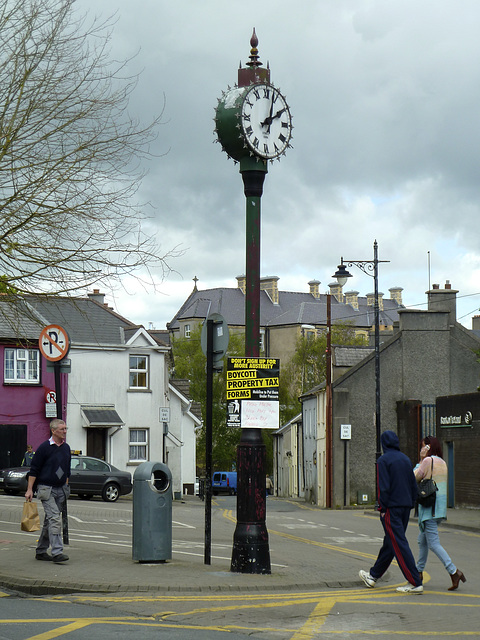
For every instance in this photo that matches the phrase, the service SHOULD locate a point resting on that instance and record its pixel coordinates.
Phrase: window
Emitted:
(138, 445)
(138, 372)
(22, 365)
(96, 465)
(186, 331)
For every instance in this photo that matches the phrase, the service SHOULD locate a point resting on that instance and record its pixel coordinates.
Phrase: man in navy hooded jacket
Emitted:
(397, 493)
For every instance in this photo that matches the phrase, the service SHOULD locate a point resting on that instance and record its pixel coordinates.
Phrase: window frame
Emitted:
(187, 331)
(138, 443)
(27, 362)
(137, 371)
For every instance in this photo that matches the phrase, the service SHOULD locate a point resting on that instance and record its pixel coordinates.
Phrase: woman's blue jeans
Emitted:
(428, 539)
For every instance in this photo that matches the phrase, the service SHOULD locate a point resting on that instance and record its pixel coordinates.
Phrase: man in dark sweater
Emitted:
(397, 493)
(50, 471)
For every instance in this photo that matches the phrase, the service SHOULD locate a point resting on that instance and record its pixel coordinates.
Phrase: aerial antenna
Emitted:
(428, 257)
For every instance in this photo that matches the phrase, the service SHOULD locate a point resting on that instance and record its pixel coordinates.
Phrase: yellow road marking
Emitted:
(314, 595)
(323, 545)
(323, 601)
(315, 620)
(311, 628)
(56, 633)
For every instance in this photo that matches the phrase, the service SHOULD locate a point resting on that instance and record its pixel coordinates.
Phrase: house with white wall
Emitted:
(116, 388)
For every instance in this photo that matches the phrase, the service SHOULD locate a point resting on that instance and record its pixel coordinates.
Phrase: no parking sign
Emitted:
(54, 342)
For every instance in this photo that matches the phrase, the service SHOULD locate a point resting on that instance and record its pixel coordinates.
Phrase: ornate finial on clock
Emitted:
(254, 57)
(253, 73)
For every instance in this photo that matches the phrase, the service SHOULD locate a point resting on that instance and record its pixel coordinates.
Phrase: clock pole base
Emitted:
(251, 553)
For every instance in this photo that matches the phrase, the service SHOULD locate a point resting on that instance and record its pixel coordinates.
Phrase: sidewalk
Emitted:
(108, 568)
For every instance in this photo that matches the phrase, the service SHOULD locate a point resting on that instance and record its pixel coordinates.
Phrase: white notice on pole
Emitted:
(164, 414)
(345, 432)
(260, 415)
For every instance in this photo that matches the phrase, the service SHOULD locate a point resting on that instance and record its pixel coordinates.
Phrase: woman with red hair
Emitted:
(432, 465)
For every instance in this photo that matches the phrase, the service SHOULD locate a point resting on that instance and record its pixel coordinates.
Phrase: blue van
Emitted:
(224, 482)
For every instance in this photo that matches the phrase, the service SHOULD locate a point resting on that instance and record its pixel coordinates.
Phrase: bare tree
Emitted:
(70, 155)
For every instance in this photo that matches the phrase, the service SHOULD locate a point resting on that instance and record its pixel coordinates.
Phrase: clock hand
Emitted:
(278, 114)
(268, 120)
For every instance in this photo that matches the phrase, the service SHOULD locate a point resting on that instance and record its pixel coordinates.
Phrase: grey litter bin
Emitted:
(152, 513)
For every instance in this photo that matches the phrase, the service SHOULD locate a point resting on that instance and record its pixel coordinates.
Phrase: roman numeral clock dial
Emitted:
(265, 121)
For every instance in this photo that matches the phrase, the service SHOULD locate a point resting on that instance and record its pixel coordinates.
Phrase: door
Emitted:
(14, 444)
(96, 443)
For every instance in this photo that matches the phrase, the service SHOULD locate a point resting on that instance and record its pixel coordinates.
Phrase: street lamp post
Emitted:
(369, 266)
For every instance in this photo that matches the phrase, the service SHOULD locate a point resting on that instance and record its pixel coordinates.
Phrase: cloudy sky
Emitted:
(385, 100)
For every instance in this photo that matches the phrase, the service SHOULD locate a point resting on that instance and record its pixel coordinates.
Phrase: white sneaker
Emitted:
(367, 578)
(409, 588)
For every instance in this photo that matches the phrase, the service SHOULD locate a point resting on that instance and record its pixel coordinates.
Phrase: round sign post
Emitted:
(54, 342)
(54, 345)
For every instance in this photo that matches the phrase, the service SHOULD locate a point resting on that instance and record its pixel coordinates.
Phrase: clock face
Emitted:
(266, 121)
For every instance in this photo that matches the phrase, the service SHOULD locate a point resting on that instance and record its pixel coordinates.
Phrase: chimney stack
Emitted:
(371, 300)
(242, 283)
(351, 298)
(314, 288)
(270, 285)
(97, 296)
(396, 294)
(443, 300)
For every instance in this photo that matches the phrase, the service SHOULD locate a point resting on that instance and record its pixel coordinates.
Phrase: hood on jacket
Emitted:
(389, 440)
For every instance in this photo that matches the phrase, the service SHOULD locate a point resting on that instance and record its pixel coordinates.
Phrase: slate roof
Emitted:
(85, 320)
(345, 356)
(292, 309)
(16, 322)
(182, 385)
(162, 336)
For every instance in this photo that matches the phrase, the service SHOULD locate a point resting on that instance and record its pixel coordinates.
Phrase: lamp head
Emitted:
(341, 275)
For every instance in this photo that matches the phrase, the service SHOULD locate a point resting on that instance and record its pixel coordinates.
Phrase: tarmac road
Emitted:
(313, 590)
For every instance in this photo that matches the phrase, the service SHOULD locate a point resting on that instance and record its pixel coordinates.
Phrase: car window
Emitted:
(76, 464)
(95, 465)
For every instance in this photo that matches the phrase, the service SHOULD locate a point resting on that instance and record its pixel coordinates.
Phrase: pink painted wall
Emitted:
(25, 404)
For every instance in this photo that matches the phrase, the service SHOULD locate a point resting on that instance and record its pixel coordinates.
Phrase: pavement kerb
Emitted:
(46, 588)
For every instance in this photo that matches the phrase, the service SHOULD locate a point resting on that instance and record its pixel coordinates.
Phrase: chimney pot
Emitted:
(435, 286)
(448, 285)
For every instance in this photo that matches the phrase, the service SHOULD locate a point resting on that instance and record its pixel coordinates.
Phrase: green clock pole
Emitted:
(251, 553)
(253, 125)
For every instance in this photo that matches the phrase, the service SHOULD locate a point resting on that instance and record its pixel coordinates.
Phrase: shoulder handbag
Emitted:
(30, 518)
(427, 491)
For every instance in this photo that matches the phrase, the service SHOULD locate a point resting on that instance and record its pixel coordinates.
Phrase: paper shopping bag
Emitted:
(30, 517)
